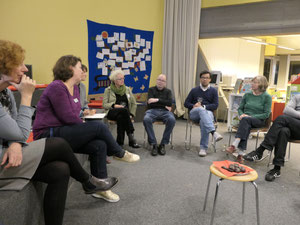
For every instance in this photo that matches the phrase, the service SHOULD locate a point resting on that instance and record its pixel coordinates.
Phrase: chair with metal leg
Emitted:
(188, 128)
(251, 177)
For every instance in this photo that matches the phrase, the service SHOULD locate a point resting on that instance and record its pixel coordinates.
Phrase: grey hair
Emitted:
(114, 74)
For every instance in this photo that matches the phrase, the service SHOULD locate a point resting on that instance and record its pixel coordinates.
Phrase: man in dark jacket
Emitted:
(159, 109)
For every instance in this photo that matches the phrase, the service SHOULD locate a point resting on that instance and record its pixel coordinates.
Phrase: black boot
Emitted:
(161, 149)
(132, 141)
(120, 137)
(95, 184)
(154, 150)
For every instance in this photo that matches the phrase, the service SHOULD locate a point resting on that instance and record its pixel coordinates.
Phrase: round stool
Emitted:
(251, 177)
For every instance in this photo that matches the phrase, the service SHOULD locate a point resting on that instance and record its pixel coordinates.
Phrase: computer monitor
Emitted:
(216, 77)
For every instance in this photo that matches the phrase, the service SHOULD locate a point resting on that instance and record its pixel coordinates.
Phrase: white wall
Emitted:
(232, 56)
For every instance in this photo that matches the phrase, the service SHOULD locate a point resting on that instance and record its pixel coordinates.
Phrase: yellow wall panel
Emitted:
(50, 29)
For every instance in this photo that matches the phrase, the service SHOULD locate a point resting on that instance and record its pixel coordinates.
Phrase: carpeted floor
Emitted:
(170, 189)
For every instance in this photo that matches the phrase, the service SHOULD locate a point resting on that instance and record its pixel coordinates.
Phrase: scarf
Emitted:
(119, 91)
(5, 100)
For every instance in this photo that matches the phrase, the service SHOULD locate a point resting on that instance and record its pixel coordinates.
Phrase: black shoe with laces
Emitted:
(272, 174)
(253, 156)
(161, 149)
(154, 150)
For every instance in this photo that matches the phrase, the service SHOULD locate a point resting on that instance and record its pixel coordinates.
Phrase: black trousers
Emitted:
(122, 116)
(92, 138)
(244, 130)
(58, 163)
(282, 130)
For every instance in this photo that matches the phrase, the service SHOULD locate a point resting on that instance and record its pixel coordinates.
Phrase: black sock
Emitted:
(212, 133)
(277, 167)
(260, 149)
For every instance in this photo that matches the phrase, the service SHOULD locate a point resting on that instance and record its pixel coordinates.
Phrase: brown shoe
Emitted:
(231, 149)
(240, 159)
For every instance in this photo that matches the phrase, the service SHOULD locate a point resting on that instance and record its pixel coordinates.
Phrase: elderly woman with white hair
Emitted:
(120, 105)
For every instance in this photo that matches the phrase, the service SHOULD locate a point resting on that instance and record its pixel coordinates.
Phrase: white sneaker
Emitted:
(108, 196)
(217, 137)
(202, 153)
(129, 157)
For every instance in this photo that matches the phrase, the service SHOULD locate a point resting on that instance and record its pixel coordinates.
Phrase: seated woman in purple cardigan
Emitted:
(58, 116)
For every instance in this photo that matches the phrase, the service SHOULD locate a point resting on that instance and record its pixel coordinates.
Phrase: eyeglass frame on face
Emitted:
(205, 78)
(120, 79)
(161, 80)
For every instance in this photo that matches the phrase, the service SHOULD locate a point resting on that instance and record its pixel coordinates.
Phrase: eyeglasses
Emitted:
(120, 79)
(205, 78)
(161, 80)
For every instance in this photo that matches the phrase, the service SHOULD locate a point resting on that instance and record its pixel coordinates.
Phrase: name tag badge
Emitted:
(75, 100)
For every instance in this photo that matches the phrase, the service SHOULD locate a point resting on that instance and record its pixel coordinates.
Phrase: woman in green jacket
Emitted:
(253, 111)
(120, 105)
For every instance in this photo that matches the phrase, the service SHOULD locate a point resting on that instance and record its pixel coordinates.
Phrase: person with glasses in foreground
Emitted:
(201, 102)
(159, 108)
(120, 106)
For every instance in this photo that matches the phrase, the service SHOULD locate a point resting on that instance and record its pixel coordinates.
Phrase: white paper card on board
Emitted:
(148, 58)
(148, 44)
(137, 38)
(104, 71)
(113, 55)
(99, 37)
(126, 72)
(131, 64)
(119, 59)
(99, 55)
(110, 40)
(133, 51)
(95, 116)
(146, 51)
(121, 44)
(122, 36)
(100, 65)
(115, 48)
(125, 65)
(100, 44)
(111, 62)
(142, 42)
(116, 36)
(105, 51)
(142, 66)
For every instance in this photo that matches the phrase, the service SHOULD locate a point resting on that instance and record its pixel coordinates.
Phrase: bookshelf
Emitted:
(234, 102)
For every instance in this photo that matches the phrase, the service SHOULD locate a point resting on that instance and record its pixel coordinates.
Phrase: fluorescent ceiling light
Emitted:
(266, 43)
(279, 46)
(258, 42)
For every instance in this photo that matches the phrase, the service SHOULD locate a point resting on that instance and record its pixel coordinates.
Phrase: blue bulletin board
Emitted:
(114, 47)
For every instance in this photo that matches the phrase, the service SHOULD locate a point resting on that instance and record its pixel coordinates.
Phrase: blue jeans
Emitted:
(92, 138)
(205, 118)
(163, 115)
